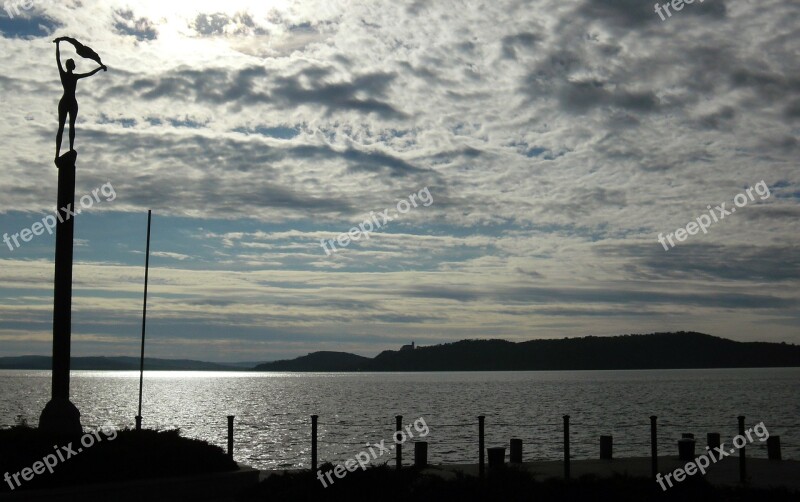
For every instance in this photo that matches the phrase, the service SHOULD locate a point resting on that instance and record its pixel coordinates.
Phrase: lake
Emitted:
(273, 425)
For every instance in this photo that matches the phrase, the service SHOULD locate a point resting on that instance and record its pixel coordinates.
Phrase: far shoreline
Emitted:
(387, 372)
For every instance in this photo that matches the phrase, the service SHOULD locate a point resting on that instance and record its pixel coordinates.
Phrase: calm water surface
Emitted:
(273, 425)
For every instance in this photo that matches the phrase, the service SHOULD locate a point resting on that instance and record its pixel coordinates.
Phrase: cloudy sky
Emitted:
(557, 140)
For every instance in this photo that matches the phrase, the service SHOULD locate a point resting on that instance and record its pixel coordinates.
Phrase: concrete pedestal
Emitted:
(61, 418)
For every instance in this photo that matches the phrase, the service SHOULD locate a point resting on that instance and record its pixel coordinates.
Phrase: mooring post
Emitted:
(398, 446)
(606, 447)
(653, 447)
(774, 447)
(481, 466)
(742, 466)
(515, 451)
(566, 446)
(230, 436)
(713, 440)
(314, 442)
(686, 446)
(420, 454)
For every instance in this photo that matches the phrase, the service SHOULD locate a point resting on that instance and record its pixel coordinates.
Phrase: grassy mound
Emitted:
(115, 456)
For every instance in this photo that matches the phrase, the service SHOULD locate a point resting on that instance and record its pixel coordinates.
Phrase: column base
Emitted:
(67, 160)
(60, 417)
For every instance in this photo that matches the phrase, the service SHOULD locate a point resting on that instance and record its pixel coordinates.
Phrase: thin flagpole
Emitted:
(144, 321)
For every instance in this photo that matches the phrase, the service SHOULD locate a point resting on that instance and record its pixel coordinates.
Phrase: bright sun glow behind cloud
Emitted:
(175, 10)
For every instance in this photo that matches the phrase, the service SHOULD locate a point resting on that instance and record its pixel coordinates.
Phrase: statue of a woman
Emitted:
(68, 104)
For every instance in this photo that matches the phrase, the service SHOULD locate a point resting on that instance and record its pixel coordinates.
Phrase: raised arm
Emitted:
(58, 54)
(84, 75)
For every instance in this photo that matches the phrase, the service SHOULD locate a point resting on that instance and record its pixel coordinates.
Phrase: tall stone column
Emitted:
(60, 416)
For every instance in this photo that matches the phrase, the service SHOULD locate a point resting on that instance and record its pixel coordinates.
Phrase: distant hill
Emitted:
(115, 363)
(653, 351)
(319, 361)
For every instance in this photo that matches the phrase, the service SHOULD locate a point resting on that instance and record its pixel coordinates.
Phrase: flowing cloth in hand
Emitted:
(83, 50)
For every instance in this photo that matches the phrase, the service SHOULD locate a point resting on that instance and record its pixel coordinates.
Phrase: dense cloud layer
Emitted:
(558, 140)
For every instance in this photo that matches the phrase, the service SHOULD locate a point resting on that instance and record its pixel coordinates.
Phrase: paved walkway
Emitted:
(760, 472)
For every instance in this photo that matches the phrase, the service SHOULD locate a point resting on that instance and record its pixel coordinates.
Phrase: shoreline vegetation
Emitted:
(681, 350)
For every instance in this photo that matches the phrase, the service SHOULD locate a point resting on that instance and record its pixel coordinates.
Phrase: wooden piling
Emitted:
(398, 446)
(481, 465)
(497, 456)
(653, 446)
(713, 440)
(742, 465)
(606, 447)
(566, 446)
(230, 436)
(516, 451)
(686, 448)
(314, 459)
(774, 447)
(421, 454)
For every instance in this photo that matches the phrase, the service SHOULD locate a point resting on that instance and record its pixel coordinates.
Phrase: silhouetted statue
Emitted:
(68, 104)
(60, 416)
